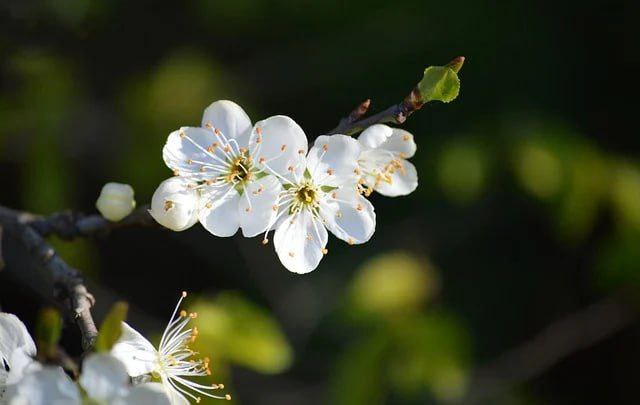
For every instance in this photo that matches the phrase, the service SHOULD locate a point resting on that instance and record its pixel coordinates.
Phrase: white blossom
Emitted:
(104, 377)
(48, 385)
(172, 362)
(144, 394)
(321, 193)
(115, 201)
(17, 350)
(236, 167)
(383, 163)
(174, 204)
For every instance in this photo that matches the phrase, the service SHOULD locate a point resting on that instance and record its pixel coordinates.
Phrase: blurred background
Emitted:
(508, 277)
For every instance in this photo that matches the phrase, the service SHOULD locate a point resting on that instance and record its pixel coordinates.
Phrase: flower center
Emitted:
(306, 195)
(240, 169)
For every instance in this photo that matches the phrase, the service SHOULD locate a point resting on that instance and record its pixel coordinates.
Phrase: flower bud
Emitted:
(115, 201)
(174, 205)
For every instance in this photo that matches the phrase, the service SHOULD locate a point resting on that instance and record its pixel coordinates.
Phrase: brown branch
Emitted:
(555, 343)
(68, 282)
(396, 114)
(69, 225)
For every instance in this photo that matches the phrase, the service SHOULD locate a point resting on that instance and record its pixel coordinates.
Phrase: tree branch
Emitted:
(555, 343)
(68, 282)
(396, 114)
(69, 225)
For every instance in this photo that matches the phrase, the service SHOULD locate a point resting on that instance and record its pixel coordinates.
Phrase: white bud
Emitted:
(174, 205)
(115, 201)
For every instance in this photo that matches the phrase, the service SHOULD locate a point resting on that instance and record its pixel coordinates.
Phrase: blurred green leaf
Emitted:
(618, 262)
(463, 170)
(242, 333)
(111, 327)
(539, 169)
(47, 333)
(439, 83)
(393, 284)
(625, 194)
(358, 377)
(432, 351)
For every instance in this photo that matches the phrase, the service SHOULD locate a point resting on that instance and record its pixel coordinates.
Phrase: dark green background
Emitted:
(89, 90)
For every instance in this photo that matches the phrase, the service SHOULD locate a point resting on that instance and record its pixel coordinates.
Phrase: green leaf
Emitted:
(440, 83)
(240, 332)
(111, 327)
(328, 189)
(48, 330)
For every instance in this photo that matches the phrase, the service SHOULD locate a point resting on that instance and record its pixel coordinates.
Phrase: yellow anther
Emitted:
(359, 207)
(406, 137)
(221, 386)
(258, 130)
(243, 150)
(334, 195)
(183, 313)
(309, 237)
(208, 125)
(217, 131)
(325, 251)
(203, 169)
(184, 294)
(330, 172)
(182, 134)
(265, 241)
(283, 148)
(193, 315)
(248, 209)
(351, 241)
(325, 147)
(274, 207)
(291, 254)
(259, 139)
(262, 160)
(208, 205)
(198, 400)
(290, 168)
(357, 171)
(189, 161)
(176, 172)
(227, 397)
(300, 151)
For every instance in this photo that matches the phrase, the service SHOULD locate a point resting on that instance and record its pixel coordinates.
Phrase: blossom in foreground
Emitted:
(173, 360)
(322, 193)
(115, 201)
(46, 385)
(382, 162)
(174, 204)
(16, 350)
(236, 167)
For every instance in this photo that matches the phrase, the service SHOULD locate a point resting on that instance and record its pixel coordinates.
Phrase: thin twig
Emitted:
(68, 282)
(555, 343)
(396, 114)
(69, 225)
(1, 257)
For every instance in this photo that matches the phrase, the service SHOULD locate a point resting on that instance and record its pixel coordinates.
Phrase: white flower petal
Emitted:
(47, 386)
(145, 394)
(20, 363)
(300, 241)
(135, 351)
(374, 136)
(229, 118)
(13, 335)
(256, 208)
(400, 143)
(174, 205)
(333, 160)
(175, 396)
(104, 376)
(348, 215)
(189, 149)
(404, 181)
(218, 211)
(282, 145)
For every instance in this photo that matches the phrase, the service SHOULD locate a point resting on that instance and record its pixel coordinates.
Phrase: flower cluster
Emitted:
(107, 377)
(230, 175)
